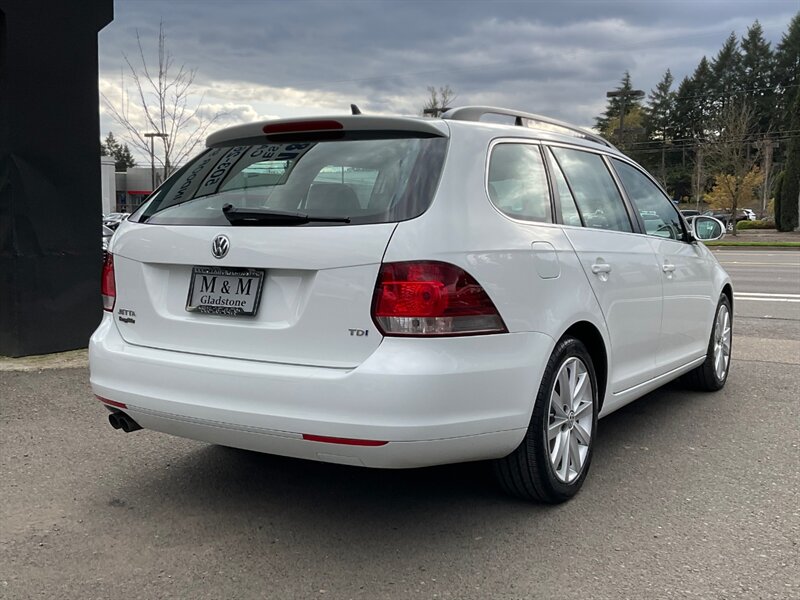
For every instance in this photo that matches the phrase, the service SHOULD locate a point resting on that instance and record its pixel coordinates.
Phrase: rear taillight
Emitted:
(424, 298)
(108, 288)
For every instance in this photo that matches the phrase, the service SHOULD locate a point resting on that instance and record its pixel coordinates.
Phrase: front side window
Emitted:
(518, 182)
(356, 181)
(569, 210)
(659, 216)
(595, 192)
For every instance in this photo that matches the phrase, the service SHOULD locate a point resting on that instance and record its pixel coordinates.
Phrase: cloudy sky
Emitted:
(263, 58)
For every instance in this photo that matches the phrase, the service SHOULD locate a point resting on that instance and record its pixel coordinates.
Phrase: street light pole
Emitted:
(163, 136)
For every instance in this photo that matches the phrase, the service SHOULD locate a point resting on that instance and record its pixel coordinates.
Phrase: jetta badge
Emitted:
(220, 246)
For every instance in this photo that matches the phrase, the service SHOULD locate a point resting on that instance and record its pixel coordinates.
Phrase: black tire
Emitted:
(705, 377)
(528, 472)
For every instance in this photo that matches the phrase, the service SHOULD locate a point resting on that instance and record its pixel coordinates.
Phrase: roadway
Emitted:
(766, 291)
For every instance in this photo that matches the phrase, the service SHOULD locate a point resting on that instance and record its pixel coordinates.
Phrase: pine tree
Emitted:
(609, 120)
(726, 74)
(787, 71)
(756, 75)
(660, 110)
(111, 145)
(693, 108)
(684, 109)
(123, 159)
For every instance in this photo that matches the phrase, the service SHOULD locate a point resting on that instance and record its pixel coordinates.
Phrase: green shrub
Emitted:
(755, 225)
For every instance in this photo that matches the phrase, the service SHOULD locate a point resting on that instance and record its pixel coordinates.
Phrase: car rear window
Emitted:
(364, 180)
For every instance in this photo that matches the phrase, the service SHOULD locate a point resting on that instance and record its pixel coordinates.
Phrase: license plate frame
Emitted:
(225, 274)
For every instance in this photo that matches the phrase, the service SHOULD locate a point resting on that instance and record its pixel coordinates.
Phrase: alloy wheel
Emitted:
(570, 422)
(722, 342)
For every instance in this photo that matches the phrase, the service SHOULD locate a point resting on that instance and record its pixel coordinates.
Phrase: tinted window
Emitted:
(518, 182)
(361, 180)
(366, 180)
(595, 193)
(658, 214)
(569, 210)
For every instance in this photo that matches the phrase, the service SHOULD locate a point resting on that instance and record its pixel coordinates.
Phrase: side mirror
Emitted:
(707, 229)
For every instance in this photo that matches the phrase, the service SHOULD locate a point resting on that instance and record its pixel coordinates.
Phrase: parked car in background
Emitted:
(744, 214)
(687, 212)
(112, 220)
(401, 292)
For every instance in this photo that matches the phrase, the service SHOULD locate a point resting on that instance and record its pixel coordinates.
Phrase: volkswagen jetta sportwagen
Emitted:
(402, 292)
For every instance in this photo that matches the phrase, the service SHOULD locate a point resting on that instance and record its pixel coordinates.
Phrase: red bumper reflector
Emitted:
(346, 441)
(111, 402)
(302, 126)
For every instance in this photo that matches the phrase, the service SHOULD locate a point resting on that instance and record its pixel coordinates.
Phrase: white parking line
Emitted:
(770, 299)
(760, 264)
(765, 297)
(767, 294)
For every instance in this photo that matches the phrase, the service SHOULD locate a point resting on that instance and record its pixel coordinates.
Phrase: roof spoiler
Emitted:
(252, 132)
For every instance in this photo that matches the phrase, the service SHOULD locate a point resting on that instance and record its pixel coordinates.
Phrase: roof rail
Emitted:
(474, 113)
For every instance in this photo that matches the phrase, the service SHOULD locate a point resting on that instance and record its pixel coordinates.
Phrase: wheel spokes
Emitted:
(564, 389)
(580, 390)
(559, 453)
(581, 435)
(582, 409)
(574, 454)
(556, 423)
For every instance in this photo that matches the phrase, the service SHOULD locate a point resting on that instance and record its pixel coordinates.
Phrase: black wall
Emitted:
(50, 210)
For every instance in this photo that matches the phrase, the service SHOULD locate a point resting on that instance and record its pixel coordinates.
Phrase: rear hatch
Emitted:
(267, 246)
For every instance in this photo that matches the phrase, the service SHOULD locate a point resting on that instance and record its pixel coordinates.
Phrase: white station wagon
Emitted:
(402, 292)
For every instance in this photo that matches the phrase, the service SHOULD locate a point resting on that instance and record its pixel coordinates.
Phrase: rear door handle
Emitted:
(668, 268)
(598, 268)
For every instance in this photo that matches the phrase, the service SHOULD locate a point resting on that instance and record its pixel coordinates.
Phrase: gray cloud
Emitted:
(557, 58)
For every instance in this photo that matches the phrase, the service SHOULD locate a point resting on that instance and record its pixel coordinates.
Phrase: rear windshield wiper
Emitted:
(255, 216)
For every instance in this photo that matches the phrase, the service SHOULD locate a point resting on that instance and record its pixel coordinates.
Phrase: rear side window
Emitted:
(518, 182)
(363, 180)
(658, 214)
(595, 192)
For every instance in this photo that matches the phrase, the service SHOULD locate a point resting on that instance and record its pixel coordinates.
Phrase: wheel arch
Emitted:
(591, 337)
(727, 289)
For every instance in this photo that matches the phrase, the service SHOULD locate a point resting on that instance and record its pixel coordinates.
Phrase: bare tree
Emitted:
(730, 154)
(439, 100)
(165, 103)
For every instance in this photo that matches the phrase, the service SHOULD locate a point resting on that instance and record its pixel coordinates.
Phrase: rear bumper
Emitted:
(434, 401)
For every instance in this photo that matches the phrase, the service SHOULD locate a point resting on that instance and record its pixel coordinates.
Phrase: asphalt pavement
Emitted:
(766, 291)
(690, 495)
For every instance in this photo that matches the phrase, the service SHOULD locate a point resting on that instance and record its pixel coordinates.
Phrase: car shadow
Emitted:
(232, 481)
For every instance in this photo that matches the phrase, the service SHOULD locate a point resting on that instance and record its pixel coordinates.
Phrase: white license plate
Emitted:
(224, 291)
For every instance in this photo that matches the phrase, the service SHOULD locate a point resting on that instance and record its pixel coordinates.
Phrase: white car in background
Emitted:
(403, 292)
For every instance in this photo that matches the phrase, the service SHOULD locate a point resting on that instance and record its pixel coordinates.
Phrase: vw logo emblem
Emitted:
(220, 246)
